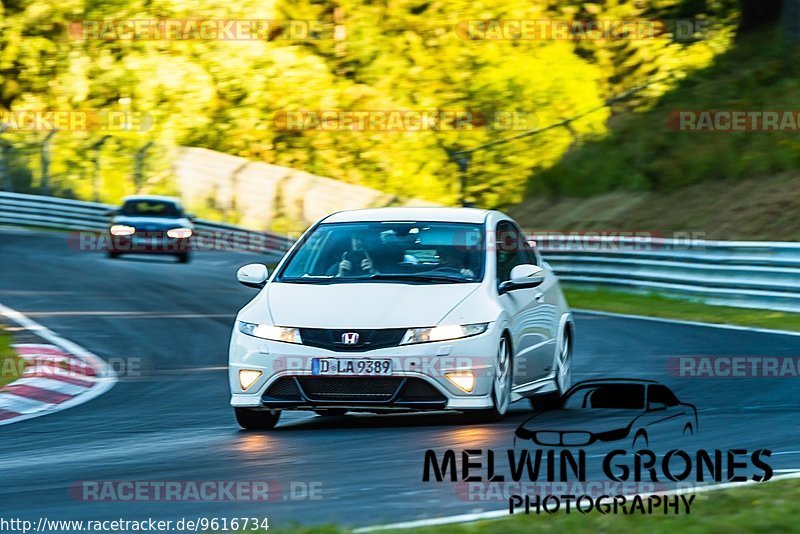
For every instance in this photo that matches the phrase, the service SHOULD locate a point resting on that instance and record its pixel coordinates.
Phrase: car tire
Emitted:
(256, 419)
(183, 258)
(333, 412)
(113, 255)
(501, 385)
(552, 401)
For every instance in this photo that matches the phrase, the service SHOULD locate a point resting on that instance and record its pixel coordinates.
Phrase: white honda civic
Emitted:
(401, 309)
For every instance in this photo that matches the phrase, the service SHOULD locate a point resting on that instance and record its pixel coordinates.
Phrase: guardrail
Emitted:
(734, 273)
(65, 214)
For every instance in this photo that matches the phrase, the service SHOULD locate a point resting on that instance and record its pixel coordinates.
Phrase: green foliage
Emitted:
(404, 55)
(642, 153)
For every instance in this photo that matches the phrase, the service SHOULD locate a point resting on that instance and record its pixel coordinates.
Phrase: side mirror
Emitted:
(656, 406)
(253, 275)
(111, 213)
(191, 216)
(523, 277)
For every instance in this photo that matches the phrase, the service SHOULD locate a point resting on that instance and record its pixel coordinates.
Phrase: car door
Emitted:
(531, 328)
(548, 308)
(666, 416)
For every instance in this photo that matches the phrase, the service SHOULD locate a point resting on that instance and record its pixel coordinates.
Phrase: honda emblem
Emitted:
(350, 338)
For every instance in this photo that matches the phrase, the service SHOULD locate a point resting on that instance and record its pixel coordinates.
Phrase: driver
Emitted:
(451, 258)
(355, 261)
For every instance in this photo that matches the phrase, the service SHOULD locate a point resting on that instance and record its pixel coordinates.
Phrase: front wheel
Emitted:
(501, 385)
(256, 419)
(183, 257)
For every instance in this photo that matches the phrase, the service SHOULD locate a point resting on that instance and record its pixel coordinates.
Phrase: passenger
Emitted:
(452, 259)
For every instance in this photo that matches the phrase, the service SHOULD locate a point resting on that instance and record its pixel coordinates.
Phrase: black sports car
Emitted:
(611, 410)
(151, 225)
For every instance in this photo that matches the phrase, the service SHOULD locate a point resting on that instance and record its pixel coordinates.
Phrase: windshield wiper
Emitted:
(308, 280)
(441, 278)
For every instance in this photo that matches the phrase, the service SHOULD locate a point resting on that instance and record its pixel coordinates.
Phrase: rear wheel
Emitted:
(183, 257)
(256, 419)
(501, 385)
(112, 254)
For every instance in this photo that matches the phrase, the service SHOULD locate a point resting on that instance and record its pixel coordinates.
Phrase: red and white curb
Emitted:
(58, 375)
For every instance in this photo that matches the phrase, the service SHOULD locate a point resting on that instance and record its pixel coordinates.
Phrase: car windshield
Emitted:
(150, 208)
(405, 252)
(619, 396)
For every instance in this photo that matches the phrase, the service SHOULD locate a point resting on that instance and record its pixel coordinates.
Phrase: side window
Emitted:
(663, 395)
(509, 253)
(530, 255)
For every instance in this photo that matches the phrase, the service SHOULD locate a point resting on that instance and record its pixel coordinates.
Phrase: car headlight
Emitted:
(275, 333)
(442, 333)
(121, 229)
(179, 233)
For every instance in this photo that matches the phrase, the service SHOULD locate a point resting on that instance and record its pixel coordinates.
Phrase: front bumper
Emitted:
(143, 243)
(417, 382)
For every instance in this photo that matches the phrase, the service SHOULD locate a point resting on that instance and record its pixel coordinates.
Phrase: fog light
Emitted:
(464, 380)
(248, 377)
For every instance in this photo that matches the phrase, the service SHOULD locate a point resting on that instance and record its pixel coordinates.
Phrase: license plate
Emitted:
(147, 241)
(351, 366)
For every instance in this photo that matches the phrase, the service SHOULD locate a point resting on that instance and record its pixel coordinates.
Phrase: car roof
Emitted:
(427, 214)
(160, 198)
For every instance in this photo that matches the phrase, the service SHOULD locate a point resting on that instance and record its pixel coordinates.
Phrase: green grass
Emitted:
(10, 363)
(765, 507)
(768, 507)
(655, 305)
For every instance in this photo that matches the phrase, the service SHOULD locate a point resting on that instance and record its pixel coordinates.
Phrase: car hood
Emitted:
(363, 304)
(152, 223)
(590, 420)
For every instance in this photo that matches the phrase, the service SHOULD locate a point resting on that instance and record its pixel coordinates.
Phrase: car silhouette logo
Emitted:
(615, 409)
(350, 338)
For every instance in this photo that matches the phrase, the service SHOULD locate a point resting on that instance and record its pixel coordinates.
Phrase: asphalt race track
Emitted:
(174, 423)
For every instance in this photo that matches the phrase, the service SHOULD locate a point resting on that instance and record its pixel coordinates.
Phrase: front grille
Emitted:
(548, 438)
(284, 388)
(417, 390)
(568, 439)
(331, 339)
(150, 234)
(357, 389)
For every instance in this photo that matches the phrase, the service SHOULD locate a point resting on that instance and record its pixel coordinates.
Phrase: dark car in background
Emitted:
(149, 224)
(642, 411)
